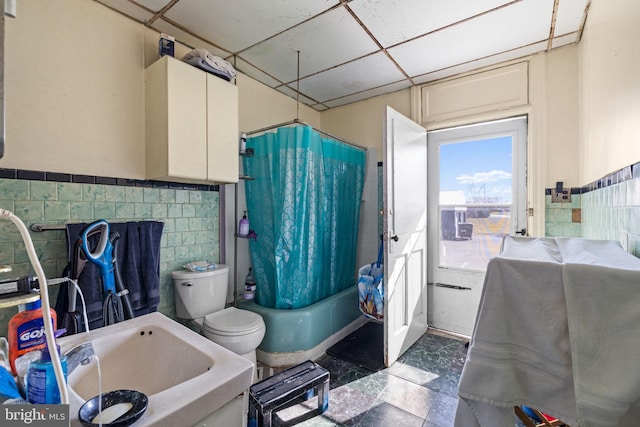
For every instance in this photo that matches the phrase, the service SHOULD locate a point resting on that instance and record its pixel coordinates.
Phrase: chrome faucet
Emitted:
(80, 355)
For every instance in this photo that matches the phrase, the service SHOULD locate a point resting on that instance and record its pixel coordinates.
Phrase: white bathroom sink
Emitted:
(185, 376)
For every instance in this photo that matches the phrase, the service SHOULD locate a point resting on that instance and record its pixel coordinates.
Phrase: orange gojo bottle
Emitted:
(26, 331)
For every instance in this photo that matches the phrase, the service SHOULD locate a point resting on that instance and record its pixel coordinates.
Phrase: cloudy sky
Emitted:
(481, 169)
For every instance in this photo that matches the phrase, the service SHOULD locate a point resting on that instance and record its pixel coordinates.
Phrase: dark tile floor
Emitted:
(420, 389)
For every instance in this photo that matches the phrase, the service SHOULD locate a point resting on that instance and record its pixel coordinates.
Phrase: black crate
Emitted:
(287, 388)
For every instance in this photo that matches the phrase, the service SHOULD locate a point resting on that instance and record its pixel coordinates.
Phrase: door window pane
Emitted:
(475, 201)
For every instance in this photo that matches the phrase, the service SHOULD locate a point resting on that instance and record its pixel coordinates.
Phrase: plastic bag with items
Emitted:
(371, 288)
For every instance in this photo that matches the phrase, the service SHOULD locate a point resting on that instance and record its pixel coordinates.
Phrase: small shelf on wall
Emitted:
(19, 299)
(249, 152)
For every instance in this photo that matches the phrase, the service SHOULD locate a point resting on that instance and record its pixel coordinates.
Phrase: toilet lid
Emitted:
(232, 321)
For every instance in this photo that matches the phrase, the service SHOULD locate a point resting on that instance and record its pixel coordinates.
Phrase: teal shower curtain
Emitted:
(304, 205)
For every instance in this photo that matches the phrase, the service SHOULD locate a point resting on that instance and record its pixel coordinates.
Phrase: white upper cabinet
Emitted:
(222, 130)
(191, 124)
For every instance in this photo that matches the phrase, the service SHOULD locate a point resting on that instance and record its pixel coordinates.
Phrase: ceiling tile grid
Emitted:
(481, 63)
(570, 15)
(490, 34)
(152, 5)
(330, 39)
(363, 74)
(238, 24)
(341, 51)
(395, 21)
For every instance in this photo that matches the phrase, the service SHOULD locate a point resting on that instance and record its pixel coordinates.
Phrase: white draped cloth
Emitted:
(558, 329)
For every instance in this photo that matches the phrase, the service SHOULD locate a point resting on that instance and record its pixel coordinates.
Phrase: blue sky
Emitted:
(480, 168)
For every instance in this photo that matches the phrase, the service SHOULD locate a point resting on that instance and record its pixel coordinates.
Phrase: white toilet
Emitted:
(201, 297)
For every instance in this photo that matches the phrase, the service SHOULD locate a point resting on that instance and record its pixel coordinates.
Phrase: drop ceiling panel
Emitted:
(238, 24)
(394, 21)
(248, 69)
(324, 42)
(480, 63)
(393, 87)
(155, 5)
(508, 28)
(364, 74)
(569, 16)
(291, 93)
(564, 40)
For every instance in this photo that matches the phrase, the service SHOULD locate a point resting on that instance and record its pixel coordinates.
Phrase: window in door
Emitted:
(480, 187)
(477, 195)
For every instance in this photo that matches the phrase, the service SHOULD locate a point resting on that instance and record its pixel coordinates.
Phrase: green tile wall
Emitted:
(613, 213)
(609, 210)
(191, 225)
(559, 221)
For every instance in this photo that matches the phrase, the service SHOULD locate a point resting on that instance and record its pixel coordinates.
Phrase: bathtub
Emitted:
(294, 336)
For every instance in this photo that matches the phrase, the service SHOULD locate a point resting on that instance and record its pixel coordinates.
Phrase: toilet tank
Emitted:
(199, 293)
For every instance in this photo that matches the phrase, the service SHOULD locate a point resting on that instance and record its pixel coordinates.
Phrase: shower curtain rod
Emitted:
(300, 122)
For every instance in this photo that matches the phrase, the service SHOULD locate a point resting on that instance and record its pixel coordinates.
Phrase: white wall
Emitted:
(362, 123)
(609, 67)
(74, 90)
(561, 116)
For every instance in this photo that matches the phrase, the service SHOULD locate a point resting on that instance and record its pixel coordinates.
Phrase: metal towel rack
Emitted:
(37, 227)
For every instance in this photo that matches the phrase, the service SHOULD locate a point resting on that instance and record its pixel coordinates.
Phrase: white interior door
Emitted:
(405, 234)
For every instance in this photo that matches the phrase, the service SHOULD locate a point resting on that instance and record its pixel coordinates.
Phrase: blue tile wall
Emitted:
(190, 214)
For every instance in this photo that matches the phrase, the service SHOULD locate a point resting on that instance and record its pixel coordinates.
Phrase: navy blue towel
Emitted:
(138, 257)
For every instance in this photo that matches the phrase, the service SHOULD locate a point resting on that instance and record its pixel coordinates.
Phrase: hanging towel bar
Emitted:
(38, 227)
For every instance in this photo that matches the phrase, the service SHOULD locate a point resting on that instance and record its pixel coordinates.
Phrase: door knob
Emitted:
(395, 238)
(522, 232)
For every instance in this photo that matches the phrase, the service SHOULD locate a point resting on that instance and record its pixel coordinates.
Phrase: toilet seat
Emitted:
(233, 322)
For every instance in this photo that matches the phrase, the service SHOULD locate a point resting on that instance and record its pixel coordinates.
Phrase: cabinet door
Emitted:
(222, 130)
(187, 131)
(176, 123)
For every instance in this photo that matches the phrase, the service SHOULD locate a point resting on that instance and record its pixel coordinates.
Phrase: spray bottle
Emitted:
(243, 143)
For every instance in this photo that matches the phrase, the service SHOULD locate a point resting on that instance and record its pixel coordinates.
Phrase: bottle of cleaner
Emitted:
(250, 282)
(249, 286)
(26, 331)
(243, 143)
(243, 227)
(42, 386)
